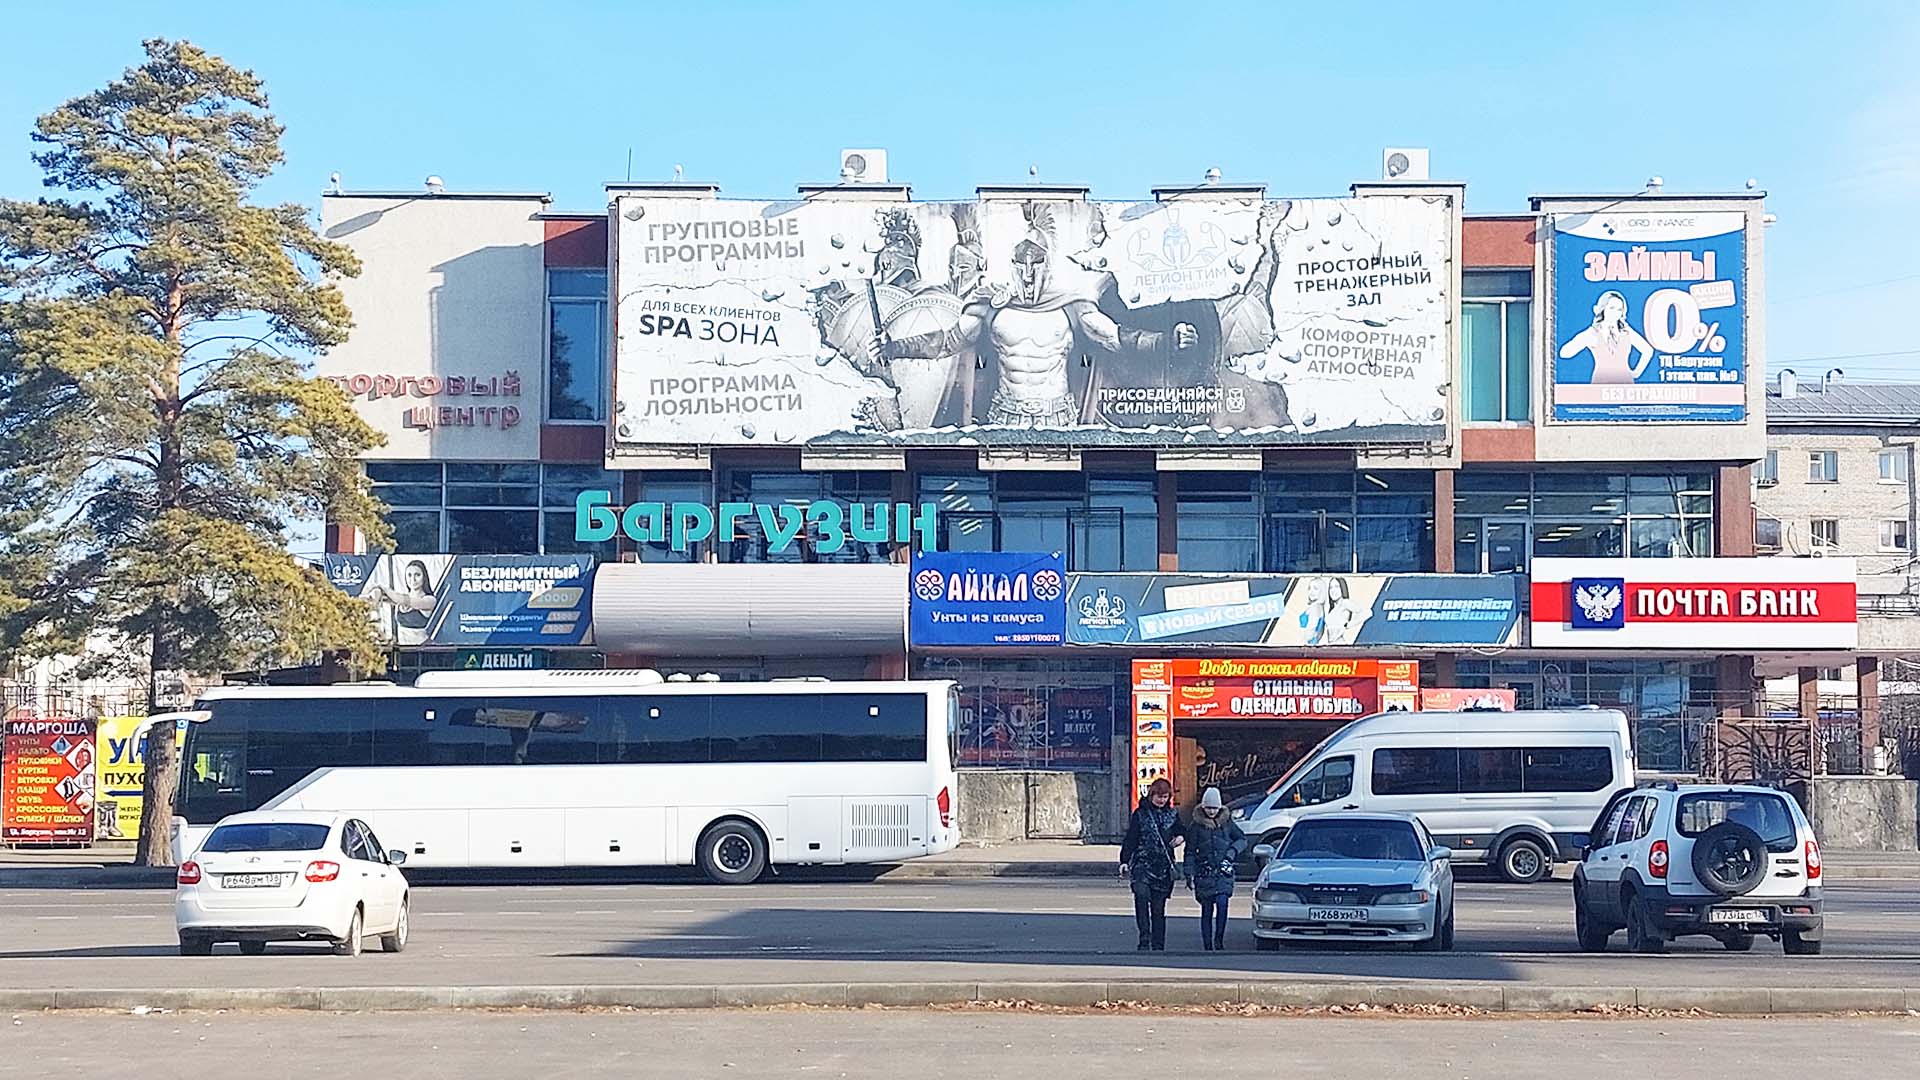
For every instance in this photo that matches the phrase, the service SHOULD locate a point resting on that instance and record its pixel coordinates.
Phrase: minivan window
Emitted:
(1426, 770)
(1444, 770)
(1331, 779)
(1768, 815)
(1569, 768)
(1490, 769)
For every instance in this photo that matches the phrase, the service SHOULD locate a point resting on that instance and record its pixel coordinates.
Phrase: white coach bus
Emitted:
(590, 768)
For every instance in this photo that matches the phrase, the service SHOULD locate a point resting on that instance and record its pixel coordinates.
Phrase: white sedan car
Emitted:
(1355, 878)
(291, 876)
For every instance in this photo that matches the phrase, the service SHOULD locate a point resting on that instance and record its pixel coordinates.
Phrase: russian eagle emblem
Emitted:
(1599, 602)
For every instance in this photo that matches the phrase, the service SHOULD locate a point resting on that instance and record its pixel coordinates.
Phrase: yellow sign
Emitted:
(122, 762)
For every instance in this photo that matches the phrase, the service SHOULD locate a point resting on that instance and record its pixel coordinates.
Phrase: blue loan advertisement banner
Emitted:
(1649, 316)
(472, 600)
(987, 598)
(1294, 611)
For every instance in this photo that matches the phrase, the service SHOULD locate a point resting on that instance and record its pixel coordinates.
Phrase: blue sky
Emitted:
(1818, 103)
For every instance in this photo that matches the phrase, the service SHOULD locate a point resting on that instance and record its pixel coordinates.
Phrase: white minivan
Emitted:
(1514, 789)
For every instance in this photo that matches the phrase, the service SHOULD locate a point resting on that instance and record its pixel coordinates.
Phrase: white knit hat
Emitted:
(1211, 800)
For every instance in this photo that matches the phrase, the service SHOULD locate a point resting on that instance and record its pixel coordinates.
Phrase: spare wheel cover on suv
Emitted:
(1730, 859)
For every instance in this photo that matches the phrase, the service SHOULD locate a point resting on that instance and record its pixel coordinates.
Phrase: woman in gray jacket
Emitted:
(1214, 845)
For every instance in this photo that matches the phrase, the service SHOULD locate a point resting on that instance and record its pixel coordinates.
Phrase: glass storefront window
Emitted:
(1099, 523)
(751, 544)
(1670, 704)
(1299, 523)
(1502, 519)
(487, 508)
(667, 488)
(1033, 713)
(492, 532)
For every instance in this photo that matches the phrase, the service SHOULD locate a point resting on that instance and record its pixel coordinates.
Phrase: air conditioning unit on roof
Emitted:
(1404, 163)
(863, 166)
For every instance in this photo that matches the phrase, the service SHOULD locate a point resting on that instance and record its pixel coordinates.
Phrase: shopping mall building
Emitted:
(1366, 444)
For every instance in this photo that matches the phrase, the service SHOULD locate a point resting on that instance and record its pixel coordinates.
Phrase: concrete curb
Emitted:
(148, 877)
(1486, 997)
(86, 877)
(145, 877)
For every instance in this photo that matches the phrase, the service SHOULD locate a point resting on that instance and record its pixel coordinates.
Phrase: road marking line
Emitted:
(57, 918)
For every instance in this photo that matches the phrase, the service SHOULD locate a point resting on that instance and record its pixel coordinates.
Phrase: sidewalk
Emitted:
(110, 854)
(1386, 997)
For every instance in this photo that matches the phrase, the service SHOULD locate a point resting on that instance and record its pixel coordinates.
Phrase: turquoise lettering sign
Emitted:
(681, 524)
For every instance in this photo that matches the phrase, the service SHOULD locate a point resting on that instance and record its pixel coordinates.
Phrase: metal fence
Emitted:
(88, 699)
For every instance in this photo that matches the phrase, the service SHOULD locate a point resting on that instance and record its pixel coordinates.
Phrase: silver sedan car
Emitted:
(1355, 878)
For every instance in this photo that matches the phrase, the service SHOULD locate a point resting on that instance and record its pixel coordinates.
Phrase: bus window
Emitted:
(768, 727)
(550, 731)
(874, 727)
(660, 730)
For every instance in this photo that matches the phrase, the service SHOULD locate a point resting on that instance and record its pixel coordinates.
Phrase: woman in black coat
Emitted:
(1146, 858)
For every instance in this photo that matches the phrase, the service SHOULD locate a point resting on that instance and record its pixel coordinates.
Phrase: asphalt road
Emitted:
(936, 1045)
(914, 931)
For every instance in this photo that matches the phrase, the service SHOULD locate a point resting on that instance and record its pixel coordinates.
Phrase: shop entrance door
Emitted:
(1526, 689)
(1507, 546)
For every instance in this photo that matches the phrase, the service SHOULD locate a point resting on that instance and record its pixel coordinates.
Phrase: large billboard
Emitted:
(1694, 604)
(1032, 322)
(537, 600)
(1294, 611)
(1649, 316)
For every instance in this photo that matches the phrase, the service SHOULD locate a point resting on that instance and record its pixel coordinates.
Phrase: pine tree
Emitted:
(158, 426)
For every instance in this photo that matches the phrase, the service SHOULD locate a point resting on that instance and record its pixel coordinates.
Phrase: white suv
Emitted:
(1726, 861)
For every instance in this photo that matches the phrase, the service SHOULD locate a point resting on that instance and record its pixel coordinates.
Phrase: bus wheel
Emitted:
(733, 852)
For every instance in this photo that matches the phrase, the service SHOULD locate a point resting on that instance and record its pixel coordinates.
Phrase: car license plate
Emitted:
(1740, 915)
(1337, 914)
(250, 881)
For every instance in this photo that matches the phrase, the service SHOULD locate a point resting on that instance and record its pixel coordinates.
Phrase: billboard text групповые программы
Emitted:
(1233, 321)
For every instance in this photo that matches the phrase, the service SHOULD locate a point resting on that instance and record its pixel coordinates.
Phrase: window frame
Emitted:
(1816, 473)
(1815, 541)
(602, 360)
(1092, 513)
(1550, 504)
(545, 477)
(1898, 457)
(1344, 516)
(1443, 778)
(1767, 473)
(1904, 537)
(1503, 301)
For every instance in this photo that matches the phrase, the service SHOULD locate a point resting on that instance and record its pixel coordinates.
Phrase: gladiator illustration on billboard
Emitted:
(1033, 322)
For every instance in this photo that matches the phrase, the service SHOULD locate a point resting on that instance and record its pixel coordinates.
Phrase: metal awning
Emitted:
(750, 609)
